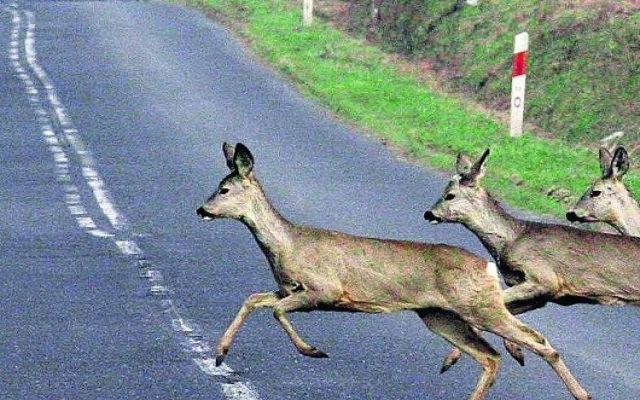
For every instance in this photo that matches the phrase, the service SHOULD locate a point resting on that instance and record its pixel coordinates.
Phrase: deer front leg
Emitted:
(519, 299)
(298, 301)
(527, 296)
(253, 302)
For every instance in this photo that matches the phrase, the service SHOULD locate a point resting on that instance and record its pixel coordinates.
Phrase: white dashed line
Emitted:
(60, 135)
(128, 247)
(238, 391)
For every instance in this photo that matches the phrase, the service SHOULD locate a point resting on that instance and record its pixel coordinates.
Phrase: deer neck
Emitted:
(495, 228)
(269, 228)
(628, 222)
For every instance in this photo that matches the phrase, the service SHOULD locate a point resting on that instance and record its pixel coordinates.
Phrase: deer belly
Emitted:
(374, 298)
(347, 303)
(605, 287)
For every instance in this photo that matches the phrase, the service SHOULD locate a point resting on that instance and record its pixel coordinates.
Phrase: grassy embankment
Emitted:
(584, 65)
(356, 81)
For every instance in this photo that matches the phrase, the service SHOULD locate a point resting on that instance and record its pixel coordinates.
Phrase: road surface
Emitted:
(113, 115)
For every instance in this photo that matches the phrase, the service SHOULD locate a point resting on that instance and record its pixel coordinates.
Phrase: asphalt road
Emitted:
(113, 115)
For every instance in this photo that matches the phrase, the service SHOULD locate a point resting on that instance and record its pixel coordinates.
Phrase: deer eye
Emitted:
(450, 196)
(224, 190)
(595, 193)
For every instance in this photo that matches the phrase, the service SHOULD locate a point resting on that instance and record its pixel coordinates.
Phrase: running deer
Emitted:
(454, 292)
(608, 200)
(540, 262)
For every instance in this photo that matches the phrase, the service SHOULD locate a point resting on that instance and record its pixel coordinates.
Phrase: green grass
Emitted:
(355, 80)
(584, 64)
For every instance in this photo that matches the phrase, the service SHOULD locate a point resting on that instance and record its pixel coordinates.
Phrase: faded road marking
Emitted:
(60, 135)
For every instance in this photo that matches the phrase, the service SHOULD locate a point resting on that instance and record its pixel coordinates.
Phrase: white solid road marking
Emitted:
(73, 199)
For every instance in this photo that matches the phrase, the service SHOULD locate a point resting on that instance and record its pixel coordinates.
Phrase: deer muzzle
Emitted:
(432, 218)
(573, 216)
(204, 214)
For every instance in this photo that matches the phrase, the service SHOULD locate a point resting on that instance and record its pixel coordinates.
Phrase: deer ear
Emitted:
(228, 150)
(620, 162)
(477, 170)
(243, 160)
(463, 163)
(605, 161)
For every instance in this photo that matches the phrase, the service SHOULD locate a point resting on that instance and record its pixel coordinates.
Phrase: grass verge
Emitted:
(355, 80)
(584, 64)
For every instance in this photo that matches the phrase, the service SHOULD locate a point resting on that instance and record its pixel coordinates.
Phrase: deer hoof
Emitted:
(220, 359)
(450, 360)
(445, 368)
(515, 351)
(315, 353)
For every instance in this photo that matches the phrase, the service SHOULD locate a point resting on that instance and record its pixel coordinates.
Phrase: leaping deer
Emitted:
(453, 291)
(540, 262)
(608, 199)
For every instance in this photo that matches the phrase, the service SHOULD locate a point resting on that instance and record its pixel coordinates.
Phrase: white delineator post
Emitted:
(307, 12)
(518, 82)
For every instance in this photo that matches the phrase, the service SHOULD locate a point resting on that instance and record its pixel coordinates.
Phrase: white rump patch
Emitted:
(492, 269)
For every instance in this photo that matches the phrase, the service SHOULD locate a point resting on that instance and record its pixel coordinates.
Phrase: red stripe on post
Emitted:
(520, 63)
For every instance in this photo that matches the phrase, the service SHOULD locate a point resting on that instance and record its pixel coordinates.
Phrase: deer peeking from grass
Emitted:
(540, 262)
(608, 200)
(454, 292)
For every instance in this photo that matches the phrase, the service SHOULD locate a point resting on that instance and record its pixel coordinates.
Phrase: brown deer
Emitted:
(453, 291)
(608, 200)
(540, 262)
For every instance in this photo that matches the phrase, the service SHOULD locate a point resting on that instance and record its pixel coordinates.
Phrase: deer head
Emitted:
(607, 199)
(463, 196)
(238, 193)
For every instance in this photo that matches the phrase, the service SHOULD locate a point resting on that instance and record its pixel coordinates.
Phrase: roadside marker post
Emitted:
(518, 82)
(307, 12)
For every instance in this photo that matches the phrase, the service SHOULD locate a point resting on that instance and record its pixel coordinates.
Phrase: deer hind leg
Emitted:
(468, 340)
(525, 297)
(515, 331)
(519, 299)
(298, 301)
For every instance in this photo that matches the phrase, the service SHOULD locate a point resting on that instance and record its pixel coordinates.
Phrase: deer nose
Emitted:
(572, 216)
(202, 213)
(431, 217)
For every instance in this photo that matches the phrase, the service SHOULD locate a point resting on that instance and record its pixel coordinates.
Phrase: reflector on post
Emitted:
(518, 82)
